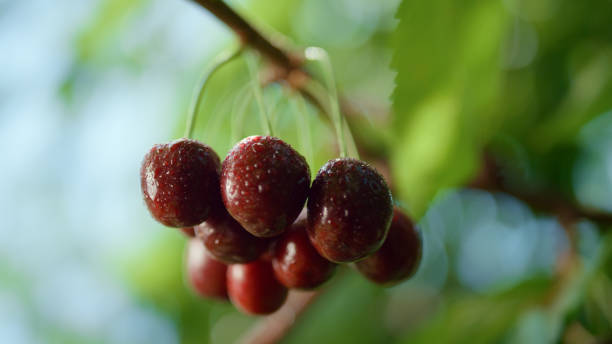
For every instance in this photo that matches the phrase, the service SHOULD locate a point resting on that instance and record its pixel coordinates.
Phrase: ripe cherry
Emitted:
(296, 263)
(188, 231)
(180, 182)
(207, 276)
(264, 184)
(253, 288)
(349, 210)
(399, 256)
(227, 241)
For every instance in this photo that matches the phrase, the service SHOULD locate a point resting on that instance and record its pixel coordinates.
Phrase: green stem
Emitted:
(303, 127)
(319, 54)
(238, 111)
(352, 146)
(221, 60)
(212, 132)
(273, 110)
(266, 126)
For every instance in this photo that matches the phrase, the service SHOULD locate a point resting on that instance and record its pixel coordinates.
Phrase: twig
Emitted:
(547, 201)
(293, 72)
(249, 35)
(288, 66)
(273, 328)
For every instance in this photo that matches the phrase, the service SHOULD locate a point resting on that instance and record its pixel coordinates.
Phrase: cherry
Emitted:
(253, 288)
(180, 182)
(188, 231)
(207, 276)
(349, 210)
(227, 241)
(296, 263)
(264, 184)
(399, 256)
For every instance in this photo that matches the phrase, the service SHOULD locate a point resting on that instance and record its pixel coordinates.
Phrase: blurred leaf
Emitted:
(348, 312)
(567, 82)
(486, 319)
(447, 62)
(159, 276)
(589, 95)
(158, 279)
(598, 300)
(269, 13)
(108, 21)
(547, 323)
(598, 306)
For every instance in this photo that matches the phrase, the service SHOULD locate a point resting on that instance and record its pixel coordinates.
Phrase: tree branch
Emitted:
(287, 65)
(274, 327)
(249, 35)
(546, 201)
(291, 70)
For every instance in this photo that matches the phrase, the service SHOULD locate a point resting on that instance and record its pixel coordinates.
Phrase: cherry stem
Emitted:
(320, 55)
(219, 61)
(352, 146)
(303, 127)
(276, 54)
(238, 111)
(266, 126)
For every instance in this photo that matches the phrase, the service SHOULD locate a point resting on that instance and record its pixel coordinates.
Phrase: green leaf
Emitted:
(109, 20)
(347, 312)
(589, 95)
(481, 319)
(448, 79)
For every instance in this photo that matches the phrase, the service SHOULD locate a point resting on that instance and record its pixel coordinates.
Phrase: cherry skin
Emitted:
(296, 263)
(227, 241)
(349, 210)
(188, 231)
(399, 256)
(180, 182)
(253, 288)
(264, 184)
(206, 275)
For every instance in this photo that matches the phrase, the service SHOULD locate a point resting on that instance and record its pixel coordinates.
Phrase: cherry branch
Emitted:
(289, 68)
(273, 328)
(287, 65)
(249, 35)
(547, 201)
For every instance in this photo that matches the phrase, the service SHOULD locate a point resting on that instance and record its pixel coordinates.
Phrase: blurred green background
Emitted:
(86, 87)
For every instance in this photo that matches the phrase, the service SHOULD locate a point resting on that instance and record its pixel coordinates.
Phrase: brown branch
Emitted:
(287, 65)
(274, 327)
(292, 72)
(249, 35)
(546, 201)
(288, 68)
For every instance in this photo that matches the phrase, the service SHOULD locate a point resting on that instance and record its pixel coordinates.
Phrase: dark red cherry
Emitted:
(207, 276)
(188, 231)
(253, 288)
(227, 241)
(399, 256)
(264, 184)
(349, 210)
(296, 263)
(180, 182)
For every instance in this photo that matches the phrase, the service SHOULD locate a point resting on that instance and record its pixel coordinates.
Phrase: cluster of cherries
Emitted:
(250, 242)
